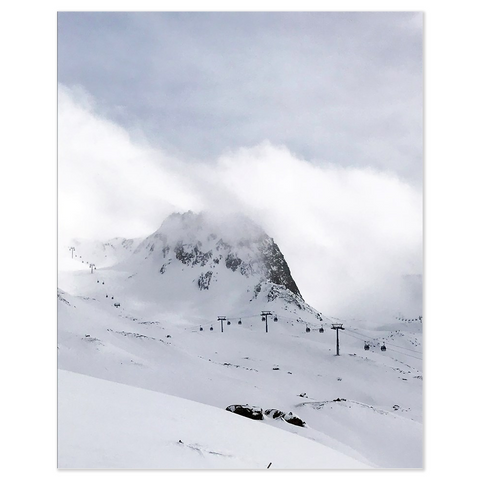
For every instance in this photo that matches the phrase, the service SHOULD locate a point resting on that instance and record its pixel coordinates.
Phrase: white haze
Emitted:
(352, 237)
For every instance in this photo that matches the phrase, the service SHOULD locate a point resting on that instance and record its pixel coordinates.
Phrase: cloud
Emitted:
(109, 185)
(333, 87)
(352, 236)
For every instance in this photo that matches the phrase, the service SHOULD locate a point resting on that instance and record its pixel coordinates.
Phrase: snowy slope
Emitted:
(153, 341)
(108, 425)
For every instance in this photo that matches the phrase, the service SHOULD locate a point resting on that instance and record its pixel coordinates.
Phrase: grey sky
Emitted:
(340, 88)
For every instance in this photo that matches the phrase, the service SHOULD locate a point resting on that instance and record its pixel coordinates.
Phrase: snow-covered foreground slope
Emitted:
(104, 424)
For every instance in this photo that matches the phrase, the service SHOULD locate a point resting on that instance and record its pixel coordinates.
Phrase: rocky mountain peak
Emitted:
(208, 243)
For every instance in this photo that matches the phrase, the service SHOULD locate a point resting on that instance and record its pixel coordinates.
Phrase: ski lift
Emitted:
(228, 322)
(106, 296)
(275, 319)
(321, 330)
(383, 347)
(307, 329)
(366, 346)
(239, 322)
(211, 329)
(201, 329)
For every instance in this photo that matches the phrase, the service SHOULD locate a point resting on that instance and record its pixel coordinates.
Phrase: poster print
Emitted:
(240, 236)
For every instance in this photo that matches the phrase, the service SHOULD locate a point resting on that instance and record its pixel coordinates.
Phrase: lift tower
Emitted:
(337, 327)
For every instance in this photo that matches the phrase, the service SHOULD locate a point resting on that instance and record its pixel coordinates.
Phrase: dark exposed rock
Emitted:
(274, 413)
(294, 420)
(288, 417)
(248, 411)
(232, 262)
(182, 254)
(204, 280)
(189, 255)
(277, 270)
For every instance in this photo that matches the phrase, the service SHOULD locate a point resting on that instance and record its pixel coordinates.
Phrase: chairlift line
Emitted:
(386, 343)
(391, 349)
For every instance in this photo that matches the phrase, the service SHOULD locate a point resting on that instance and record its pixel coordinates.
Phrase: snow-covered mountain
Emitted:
(199, 241)
(220, 266)
(151, 321)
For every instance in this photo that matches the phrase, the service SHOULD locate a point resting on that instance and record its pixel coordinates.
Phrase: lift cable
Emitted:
(390, 349)
(386, 343)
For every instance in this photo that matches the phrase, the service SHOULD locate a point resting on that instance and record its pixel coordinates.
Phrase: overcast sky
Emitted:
(311, 123)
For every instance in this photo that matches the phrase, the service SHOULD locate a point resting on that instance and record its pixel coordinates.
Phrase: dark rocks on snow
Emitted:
(288, 417)
(248, 411)
(232, 262)
(277, 268)
(204, 280)
(294, 420)
(274, 413)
